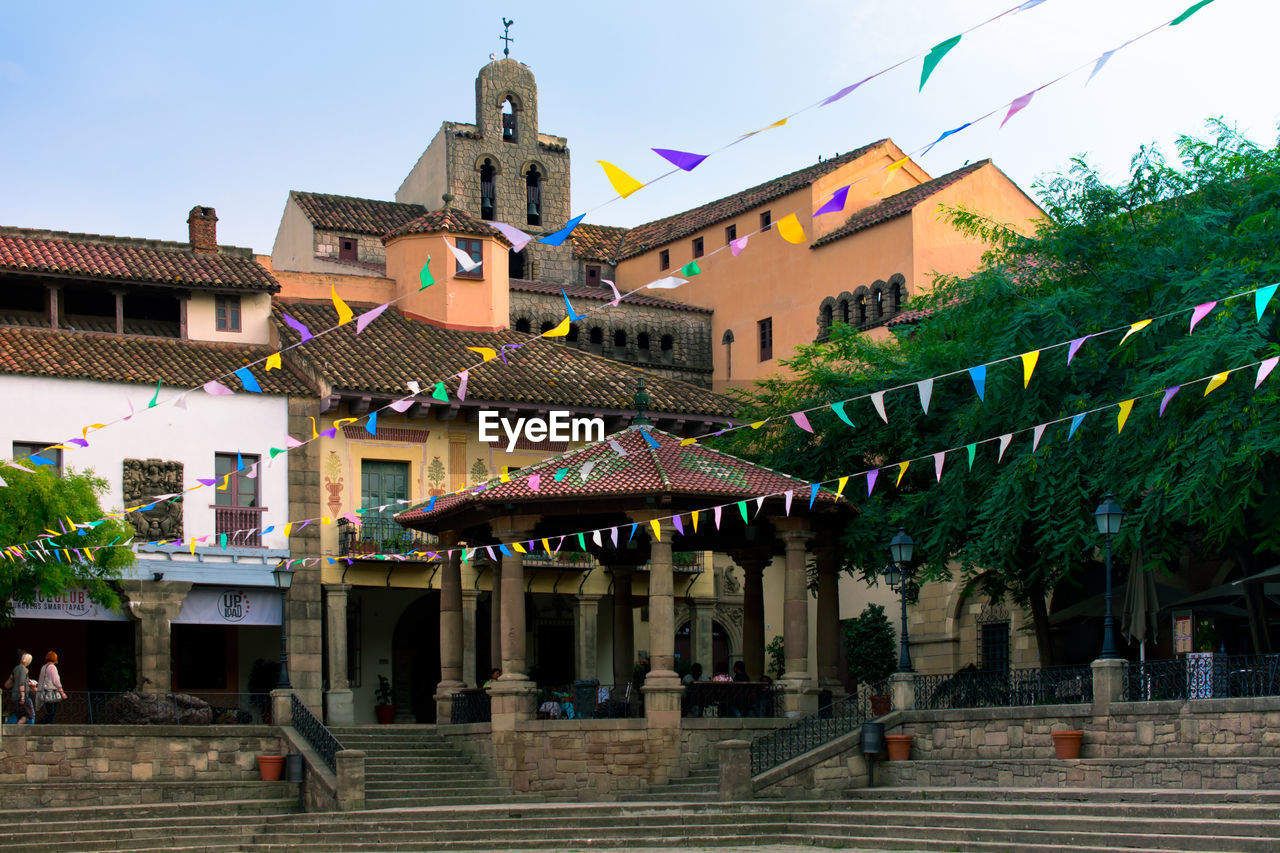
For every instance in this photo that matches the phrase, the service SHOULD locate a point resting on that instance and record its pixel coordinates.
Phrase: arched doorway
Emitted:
(415, 660)
(720, 650)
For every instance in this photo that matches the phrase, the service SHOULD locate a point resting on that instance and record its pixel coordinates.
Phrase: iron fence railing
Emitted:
(1202, 676)
(829, 722)
(314, 733)
(1005, 688)
(378, 535)
(591, 700)
(729, 699)
(116, 707)
(470, 706)
(241, 524)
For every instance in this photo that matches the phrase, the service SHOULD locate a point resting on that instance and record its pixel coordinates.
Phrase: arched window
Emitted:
(619, 339)
(667, 345)
(596, 335)
(827, 319)
(642, 340)
(572, 337)
(895, 294)
(488, 191)
(533, 195)
(508, 121)
(860, 310)
(547, 326)
(877, 304)
(522, 325)
(844, 312)
(515, 264)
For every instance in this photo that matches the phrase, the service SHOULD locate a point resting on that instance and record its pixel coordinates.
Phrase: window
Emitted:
(619, 339)
(488, 190)
(509, 121)
(226, 312)
(697, 247)
(596, 335)
(572, 337)
(547, 326)
(824, 324)
(844, 311)
(383, 484)
(23, 449)
(522, 325)
(348, 249)
(664, 259)
(860, 310)
(642, 342)
(766, 338)
(515, 264)
(730, 234)
(593, 276)
(533, 195)
(474, 248)
(667, 345)
(241, 490)
(995, 645)
(895, 297)
(766, 221)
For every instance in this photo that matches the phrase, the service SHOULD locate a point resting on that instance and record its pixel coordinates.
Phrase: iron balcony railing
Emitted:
(314, 733)
(729, 699)
(1202, 676)
(829, 722)
(1005, 688)
(470, 706)
(378, 535)
(241, 524)
(116, 707)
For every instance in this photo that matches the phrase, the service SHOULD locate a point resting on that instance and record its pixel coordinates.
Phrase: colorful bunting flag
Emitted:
(1263, 296)
(871, 480)
(787, 496)
(802, 421)
(902, 470)
(518, 238)
(1199, 313)
(944, 135)
(715, 511)
(155, 399)
(273, 362)
(486, 353)
(682, 160)
(246, 379)
(1004, 445)
(742, 508)
(939, 459)
(877, 400)
(736, 246)
(657, 528)
(790, 229)
(463, 378)
(1191, 10)
(679, 524)
(623, 184)
(344, 313)
(650, 440)
(835, 204)
(935, 56)
(979, 376)
(925, 387)
(1017, 105)
(691, 269)
(439, 393)
(573, 315)
(1075, 424)
(838, 408)
(216, 388)
(371, 426)
(424, 275)
(1125, 408)
(846, 90)
(1216, 382)
(1074, 347)
(298, 327)
(617, 297)
(464, 259)
(668, 283)
(1029, 360)
(888, 173)
(1036, 435)
(369, 316)
(1133, 330)
(813, 494)
(1264, 369)
(557, 237)
(535, 482)
(693, 514)
(559, 331)
(1168, 395)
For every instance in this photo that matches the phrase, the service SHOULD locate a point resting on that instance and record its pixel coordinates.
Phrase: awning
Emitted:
(206, 605)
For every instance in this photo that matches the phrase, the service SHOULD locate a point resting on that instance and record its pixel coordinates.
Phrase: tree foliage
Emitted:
(38, 502)
(869, 646)
(1201, 482)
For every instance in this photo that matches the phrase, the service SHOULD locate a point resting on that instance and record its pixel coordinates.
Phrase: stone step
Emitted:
(1164, 811)
(1090, 795)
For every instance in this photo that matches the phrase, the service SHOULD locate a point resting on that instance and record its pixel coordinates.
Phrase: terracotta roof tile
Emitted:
(597, 242)
(642, 238)
(130, 259)
(115, 358)
(446, 219)
(896, 205)
(395, 349)
(582, 291)
(690, 470)
(355, 215)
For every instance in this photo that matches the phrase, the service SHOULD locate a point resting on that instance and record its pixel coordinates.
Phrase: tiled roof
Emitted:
(582, 291)
(597, 242)
(446, 219)
(670, 469)
(642, 238)
(178, 364)
(896, 205)
(910, 317)
(394, 350)
(355, 215)
(128, 259)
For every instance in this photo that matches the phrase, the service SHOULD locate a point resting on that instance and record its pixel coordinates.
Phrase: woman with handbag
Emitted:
(49, 690)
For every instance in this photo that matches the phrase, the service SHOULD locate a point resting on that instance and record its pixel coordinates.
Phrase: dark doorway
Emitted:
(415, 660)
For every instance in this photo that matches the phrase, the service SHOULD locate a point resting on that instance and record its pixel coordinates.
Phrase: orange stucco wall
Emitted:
(311, 285)
(453, 301)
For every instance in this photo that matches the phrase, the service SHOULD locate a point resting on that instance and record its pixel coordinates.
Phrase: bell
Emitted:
(533, 208)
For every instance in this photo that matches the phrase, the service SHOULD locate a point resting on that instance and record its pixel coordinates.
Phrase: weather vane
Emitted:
(506, 36)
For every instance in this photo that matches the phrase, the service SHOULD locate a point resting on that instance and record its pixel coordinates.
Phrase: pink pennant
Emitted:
(214, 387)
(1018, 105)
(290, 441)
(613, 534)
(736, 246)
(802, 421)
(462, 385)
(1168, 395)
(871, 480)
(1004, 445)
(130, 402)
(369, 316)
(1199, 313)
(716, 511)
(535, 482)
(789, 494)
(616, 295)
(1036, 435)
(401, 405)
(938, 459)
(1264, 369)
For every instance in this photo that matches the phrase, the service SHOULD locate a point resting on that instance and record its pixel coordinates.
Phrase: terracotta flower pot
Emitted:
(1067, 743)
(385, 714)
(271, 767)
(899, 747)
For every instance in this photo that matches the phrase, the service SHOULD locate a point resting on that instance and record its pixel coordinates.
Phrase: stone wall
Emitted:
(1190, 773)
(369, 248)
(55, 753)
(304, 613)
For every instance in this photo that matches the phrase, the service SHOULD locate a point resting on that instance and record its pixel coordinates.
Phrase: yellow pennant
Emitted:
(226, 481)
(623, 184)
(344, 313)
(1125, 408)
(1029, 360)
(695, 521)
(657, 528)
(791, 229)
(326, 520)
(779, 123)
(340, 421)
(685, 442)
(193, 545)
(546, 546)
(520, 549)
(84, 433)
(288, 527)
(902, 469)
(1134, 329)
(888, 173)
(487, 353)
(759, 424)
(273, 361)
(559, 331)
(844, 481)
(505, 478)
(1216, 382)
(314, 434)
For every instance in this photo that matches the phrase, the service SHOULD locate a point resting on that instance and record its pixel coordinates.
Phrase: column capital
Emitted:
(795, 538)
(751, 559)
(588, 597)
(790, 524)
(337, 588)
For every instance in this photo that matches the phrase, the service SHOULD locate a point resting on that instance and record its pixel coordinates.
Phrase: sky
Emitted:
(118, 118)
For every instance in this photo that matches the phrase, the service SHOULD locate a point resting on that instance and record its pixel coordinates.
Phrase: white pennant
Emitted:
(585, 472)
(716, 510)
(464, 259)
(789, 494)
(1036, 435)
(613, 534)
(1264, 370)
(759, 504)
(877, 400)
(595, 537)
(1004, 445)
(617, 448)
(925, 386)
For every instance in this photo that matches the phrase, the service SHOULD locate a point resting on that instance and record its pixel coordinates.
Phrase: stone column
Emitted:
(513, 695)
(829, 620)
(339, 707)
(624, 629)
(450, 629)
(154, 604)
(662, 688)
(495, 618)
(799, 688)
(700, 646)
(753, 612)
(585, 622)
(1108, 684)
(470, 676)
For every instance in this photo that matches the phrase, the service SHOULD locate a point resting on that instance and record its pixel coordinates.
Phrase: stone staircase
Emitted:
(1023, 820)
(408, 766)
(702, 785)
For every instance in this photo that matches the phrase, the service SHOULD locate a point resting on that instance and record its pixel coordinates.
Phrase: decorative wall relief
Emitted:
(333, 481)
(479, 472)
(435, 476)
(142, 480)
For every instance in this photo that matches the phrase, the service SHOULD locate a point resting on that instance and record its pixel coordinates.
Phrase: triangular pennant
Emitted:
(1133, 330)
(1191, 10)
(835, 204)
(1265, 368)
(838, 408)
(813, 494)
(666, 283)
(1216, 382)
(742, 508)
(439, 393)
(935, 55)
(802, 421)
(155, 399)
(1029, 360)
(216, 388)
(871, 480)
(1097, 65)
(613, 534)
(424, 275)
(273, 362)
(344, 313)
(595, 537)
(944, 135)
(369, 316)
(979, 376)
(759, 504)
(623, 184)
(679, 524)
(683, 160)
(617, 447)
(716, 512)
(939, 459)
(1199, 313)
(877, 400)
(247, 380)
(585, 471)
(888, 173)
(518, 238)
(787, 496)
(1017, 105)
(535, 482)
(902, 470)
(691, 269)
(486, 353)
(1036, 435)
(371, 426)
(1075, 424)
(657, 529)
(559, 331)
(617, 297)
(736, 246)
(1168, 395)
(557, 237)
(560, 474)
(844, 481)
(1074, 347)
(464, 259)
(301, 329)
(1262, 297)
(790, 229)
(463, 378)
(1004, 445)
(573, 315)
(1123, 415)
(925, 387)
(650, 440)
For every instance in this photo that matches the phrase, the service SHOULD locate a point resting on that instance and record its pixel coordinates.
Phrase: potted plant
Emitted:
(869, 643)
(383, 709)
(1066, 742)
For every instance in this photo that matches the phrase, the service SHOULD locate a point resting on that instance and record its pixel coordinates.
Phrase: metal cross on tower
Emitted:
(506, 28)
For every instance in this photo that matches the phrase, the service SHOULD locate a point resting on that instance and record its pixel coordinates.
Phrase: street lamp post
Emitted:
(284, 579)
(1108, 516)
(901, 548)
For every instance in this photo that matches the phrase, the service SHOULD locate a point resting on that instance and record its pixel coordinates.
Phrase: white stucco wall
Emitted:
(255, 319)
(427, 180)
(294, 248)
(54, 410)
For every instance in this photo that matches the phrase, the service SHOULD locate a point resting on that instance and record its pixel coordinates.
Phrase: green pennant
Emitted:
(560, 474)
(276, 451)
(935, 56)
(438, 393)
(425, 275)
(1191, 10)
(742, 508)
(156, 398)
(690, 269)
(971, 448)
(582, 543)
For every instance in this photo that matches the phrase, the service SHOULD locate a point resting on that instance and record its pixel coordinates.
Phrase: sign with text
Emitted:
(1182, 633)
(69, 604)
(218, 605)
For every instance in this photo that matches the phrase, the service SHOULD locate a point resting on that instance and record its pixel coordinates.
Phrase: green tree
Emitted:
(38, 502)
(869, 646)
(1198, 483)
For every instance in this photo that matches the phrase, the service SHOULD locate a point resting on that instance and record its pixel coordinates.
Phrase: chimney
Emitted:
(202, 224)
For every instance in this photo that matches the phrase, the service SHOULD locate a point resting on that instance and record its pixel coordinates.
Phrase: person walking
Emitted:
(23, 712)
(49, 692)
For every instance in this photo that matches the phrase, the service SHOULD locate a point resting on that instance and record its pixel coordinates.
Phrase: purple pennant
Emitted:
(80, 442)
(871, 480)
(845, 91)
(212, 482)
(1168, 395)
(802, 421)
(298, 327)
(369, 316)
(1075, 347)
(681, 159)
(835, 204)
(675, 519)
(506, 347)
(1017, 105)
